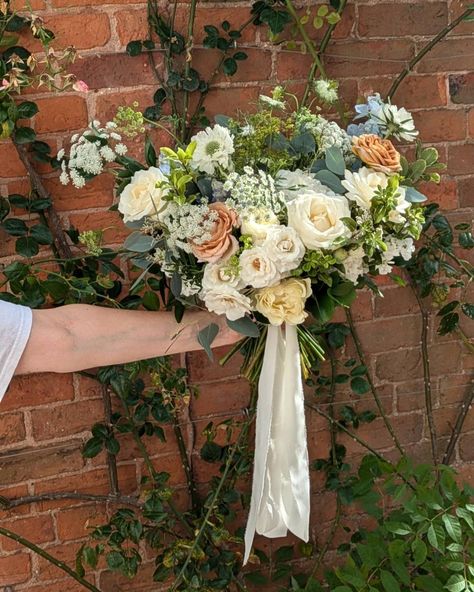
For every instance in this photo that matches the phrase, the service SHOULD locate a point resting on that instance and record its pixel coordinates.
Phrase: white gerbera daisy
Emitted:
(214, 147)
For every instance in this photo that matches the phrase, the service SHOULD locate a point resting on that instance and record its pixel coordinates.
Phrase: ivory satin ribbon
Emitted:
(280, 487)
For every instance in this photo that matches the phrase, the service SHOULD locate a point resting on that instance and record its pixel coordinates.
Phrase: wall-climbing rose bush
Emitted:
(423, 521)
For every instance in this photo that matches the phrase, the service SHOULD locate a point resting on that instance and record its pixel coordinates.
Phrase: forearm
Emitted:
(77, 337)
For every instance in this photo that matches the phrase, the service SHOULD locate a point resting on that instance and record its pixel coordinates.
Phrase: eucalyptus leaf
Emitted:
(139, 243)
(245, 326)
(414, 196)
(335, 161)
(206, 336)
(330, 180)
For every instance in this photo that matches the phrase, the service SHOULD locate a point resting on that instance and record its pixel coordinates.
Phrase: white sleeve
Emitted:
(15, 327)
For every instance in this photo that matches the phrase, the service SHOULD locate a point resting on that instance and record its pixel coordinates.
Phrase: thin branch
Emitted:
(188, 471)
(426, 49)
(111, 459)
(427, 375)
(456, 432)
(45, 555)
(9, 504)
(54, 222)
(187, 67)
(360, 353)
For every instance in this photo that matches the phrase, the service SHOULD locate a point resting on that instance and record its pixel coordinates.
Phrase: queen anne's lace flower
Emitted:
(214, 147)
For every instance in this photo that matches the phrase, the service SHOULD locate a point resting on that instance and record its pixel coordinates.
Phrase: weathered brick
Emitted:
(15, 569)
(460, 159)
(395, 301)
(461, 88)
(38, 529)
(65, 420)
(441, 125)
(62, 113)
(11, 164)
(416, 92)
(12, 428)
(401, 20)
(448, 56)
(389, 334)
(38, 389)
(444, 193)
(74, 523)
(466, 192)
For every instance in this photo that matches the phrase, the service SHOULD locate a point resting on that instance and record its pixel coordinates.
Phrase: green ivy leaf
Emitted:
(26, 246)
(229, 66)
(24, 135)
(134, 48)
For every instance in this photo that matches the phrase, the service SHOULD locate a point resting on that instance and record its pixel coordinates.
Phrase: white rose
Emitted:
(257, 223)
(257, 269)
(141, 197)
(295, 182)
(317, 219)
(226, 300)
(362, 185)
(219, 274)
(284, 246)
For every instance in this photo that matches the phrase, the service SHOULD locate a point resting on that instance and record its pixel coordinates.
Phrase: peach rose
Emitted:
(376, 153)
(221, 244)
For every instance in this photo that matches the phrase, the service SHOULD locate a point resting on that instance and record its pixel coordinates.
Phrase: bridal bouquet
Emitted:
(270, 218)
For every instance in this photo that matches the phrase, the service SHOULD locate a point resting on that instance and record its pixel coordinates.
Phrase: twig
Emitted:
(111, 460)
(427, 375)
(54, 222)
(373, 390)
(426, 49)
(187, 67)
(9, 504)
(456, 432)
(45, 555)
(188, 471)
(322, 48)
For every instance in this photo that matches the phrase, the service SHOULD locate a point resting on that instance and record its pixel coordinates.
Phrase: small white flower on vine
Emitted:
(214, 147)
(327, 90)
(121, 149)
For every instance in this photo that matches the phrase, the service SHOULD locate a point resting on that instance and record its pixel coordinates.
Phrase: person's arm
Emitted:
(79, 336)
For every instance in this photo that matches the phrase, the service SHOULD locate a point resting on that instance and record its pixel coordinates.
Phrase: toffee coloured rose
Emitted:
(222, 243)
(378, 154)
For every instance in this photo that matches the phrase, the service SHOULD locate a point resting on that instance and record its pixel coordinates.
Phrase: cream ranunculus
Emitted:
(226, 300)
(143, 196)
(257, 223)
(285, 302)
(317, 219)
(362, 185)
(257, 269)
(284, 246)
(220, 274)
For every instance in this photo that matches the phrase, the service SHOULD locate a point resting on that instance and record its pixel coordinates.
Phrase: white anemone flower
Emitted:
(396, 122)
(214, 147)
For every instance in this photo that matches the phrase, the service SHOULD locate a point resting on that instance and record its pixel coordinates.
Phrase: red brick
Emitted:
(416, 92)
(466, 192)
(114, 70)
(11, 493)
(12, 428)
(58, 586)
(114, 582)
(441, 125)
(443, 193)
(15, 569)
(460, 159)
(456, 8)
(64, 552)
(115, 230)
(396, 301)
(65, 420)
(62, 113)
(470, 122)
(388, 334)
(36, 463)
(396, 20)
(215, 398)
(74, 523)
(97, 193)
(461, 88)
(448, 56)
(11, 164)
(38, 389)
(201, 369)
(232, 100)
(37, 529)
(258, 66)
(108, 103)
(131, 24)
(466, 447)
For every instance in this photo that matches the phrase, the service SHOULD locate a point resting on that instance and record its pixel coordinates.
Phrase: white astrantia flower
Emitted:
(284, 247)
(144, 195)
(257, 223)
(396, 247)
(362, 185)
(121, 149)
(226, 300)
(214, 147)
(220, 274)
(354, 265)
(317, 219)
(294, 182)
(189, 288)
(257, 269)
(327, 90)
(395, 121)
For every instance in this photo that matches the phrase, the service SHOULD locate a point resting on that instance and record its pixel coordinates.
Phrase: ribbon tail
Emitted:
(281, 489)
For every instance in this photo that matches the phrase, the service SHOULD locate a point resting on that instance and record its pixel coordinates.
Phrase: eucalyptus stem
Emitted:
(427, 376)
(456, 432)
(378, 402)
(426, 49)
(322, 48)
(307, 41)
(187, 67)
(45, 555)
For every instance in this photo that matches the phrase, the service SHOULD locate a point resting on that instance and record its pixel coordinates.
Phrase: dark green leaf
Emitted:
(359, 385)
(92, 448)
(150, 152)
(388, 581)
(229, 66)
(41, 234)
(26, 246)
(240, 55)
(134, 48)
(27, 109)
(24, 135)
(468, 309)
(115, 560)
(15, 227)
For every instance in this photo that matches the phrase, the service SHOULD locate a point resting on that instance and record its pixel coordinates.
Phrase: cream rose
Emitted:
(226, 300)
(257, 269)
(362, 185)
(285, 302)
(220, 274)
(284, 247)
(316, 217)
(143, 196)
(257, 224)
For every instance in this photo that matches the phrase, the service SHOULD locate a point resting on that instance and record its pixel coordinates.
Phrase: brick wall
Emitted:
(45, 419)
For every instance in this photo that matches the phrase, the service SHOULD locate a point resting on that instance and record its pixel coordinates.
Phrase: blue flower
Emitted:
(369, 127)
